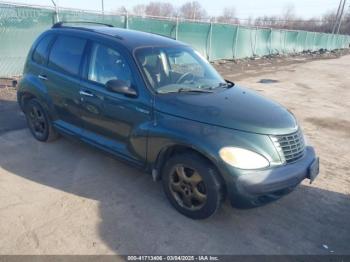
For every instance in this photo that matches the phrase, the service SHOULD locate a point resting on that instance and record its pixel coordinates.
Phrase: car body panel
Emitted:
(169, 130)
(132, 39)
(236, 108)
(250, 188)
(139, 129)
(117, 120)
(64, 92)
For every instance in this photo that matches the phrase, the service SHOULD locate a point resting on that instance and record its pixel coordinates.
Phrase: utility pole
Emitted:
(194, 10)
(341, 16)
(337, 17)
(56, 11)
(103, 7)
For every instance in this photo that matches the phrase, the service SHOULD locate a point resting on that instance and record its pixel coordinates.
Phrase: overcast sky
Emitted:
(244, 8)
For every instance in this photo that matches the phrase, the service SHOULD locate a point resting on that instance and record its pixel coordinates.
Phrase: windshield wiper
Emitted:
(195, 90)
(189, 90)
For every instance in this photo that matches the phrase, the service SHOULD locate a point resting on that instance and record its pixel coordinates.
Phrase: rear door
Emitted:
(63, 80)
(38, 60)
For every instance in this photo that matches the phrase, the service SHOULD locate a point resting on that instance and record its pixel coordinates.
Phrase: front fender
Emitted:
(169, 131)
(206, 139)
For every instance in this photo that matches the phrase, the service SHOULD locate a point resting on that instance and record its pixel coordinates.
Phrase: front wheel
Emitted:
(192, 185)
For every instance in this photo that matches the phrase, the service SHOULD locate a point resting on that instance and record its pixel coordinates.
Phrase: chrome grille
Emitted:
(290, 147)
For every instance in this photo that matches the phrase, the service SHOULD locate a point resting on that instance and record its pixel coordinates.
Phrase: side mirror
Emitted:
(121, 87)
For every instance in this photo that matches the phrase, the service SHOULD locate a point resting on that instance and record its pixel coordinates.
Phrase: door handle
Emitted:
(42, 77)
(86, 93)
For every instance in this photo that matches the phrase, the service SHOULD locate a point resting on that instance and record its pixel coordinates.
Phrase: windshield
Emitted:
(177, 69)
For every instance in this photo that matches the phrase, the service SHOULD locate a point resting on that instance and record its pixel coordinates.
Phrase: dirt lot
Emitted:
(66, 198)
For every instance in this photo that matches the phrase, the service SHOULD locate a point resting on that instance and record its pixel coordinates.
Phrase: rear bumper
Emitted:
(254, 188)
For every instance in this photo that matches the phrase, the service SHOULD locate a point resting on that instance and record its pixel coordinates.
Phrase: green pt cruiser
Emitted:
(159, 105)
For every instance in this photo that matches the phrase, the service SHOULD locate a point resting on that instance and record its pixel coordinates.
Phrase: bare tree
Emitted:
(139, 9)
(120, 10)
(228, 16)
(160, 9)
(288, 15)
(345, 26)
(193, 10)
(328, 21)
(249, 21)
(289, 11)
(267, 21)
(288, 19)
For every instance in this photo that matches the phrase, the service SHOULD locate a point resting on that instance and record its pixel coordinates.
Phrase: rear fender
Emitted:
(32, 87)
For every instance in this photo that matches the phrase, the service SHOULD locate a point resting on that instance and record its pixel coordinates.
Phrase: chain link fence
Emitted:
(20, 25)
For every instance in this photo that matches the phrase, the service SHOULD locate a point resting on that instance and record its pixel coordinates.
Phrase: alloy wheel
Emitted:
(37, 121)
(187, 187)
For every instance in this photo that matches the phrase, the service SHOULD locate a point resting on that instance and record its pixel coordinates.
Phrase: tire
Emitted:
(192, 185)
(38, 122)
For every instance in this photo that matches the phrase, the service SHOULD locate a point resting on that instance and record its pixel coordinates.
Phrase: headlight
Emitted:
(242, 158)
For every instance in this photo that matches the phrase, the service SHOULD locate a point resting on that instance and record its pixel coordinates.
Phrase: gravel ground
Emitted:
(67, 198)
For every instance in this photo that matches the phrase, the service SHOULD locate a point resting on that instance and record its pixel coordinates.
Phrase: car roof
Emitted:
(131, 39)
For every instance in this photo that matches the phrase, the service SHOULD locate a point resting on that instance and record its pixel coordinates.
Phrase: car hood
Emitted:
(237, 108)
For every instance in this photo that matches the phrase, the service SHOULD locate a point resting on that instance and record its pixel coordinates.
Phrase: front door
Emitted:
(111, 120)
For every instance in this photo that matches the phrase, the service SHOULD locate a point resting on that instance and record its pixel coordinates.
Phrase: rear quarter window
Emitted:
(66, 54)
(41, 50)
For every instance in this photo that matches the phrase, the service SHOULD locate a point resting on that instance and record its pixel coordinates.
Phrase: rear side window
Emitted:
(66, 54)
(41, 50)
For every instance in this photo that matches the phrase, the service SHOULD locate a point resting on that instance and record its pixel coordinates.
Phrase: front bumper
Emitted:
(255, 188)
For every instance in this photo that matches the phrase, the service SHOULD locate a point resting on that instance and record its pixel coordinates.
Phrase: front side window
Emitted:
(40, 52)
(66, 54)
(108, 64)
(173, 69)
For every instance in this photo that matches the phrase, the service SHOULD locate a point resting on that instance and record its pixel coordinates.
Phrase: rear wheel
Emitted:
(192, 186)
(38, 122)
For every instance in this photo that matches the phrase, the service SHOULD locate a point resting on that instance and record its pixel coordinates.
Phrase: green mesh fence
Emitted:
(263, 42)
(277, 41)
(244, 46)
(289, 41)
(309, 41)
(115, 20)
(195, 34)
(222, 41)
(18, 29)
(162, 27)
(300, 44)
(21, 25)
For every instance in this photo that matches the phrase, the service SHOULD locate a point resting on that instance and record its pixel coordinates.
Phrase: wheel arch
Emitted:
(31, 87)
(24, 97)
(168, 151)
